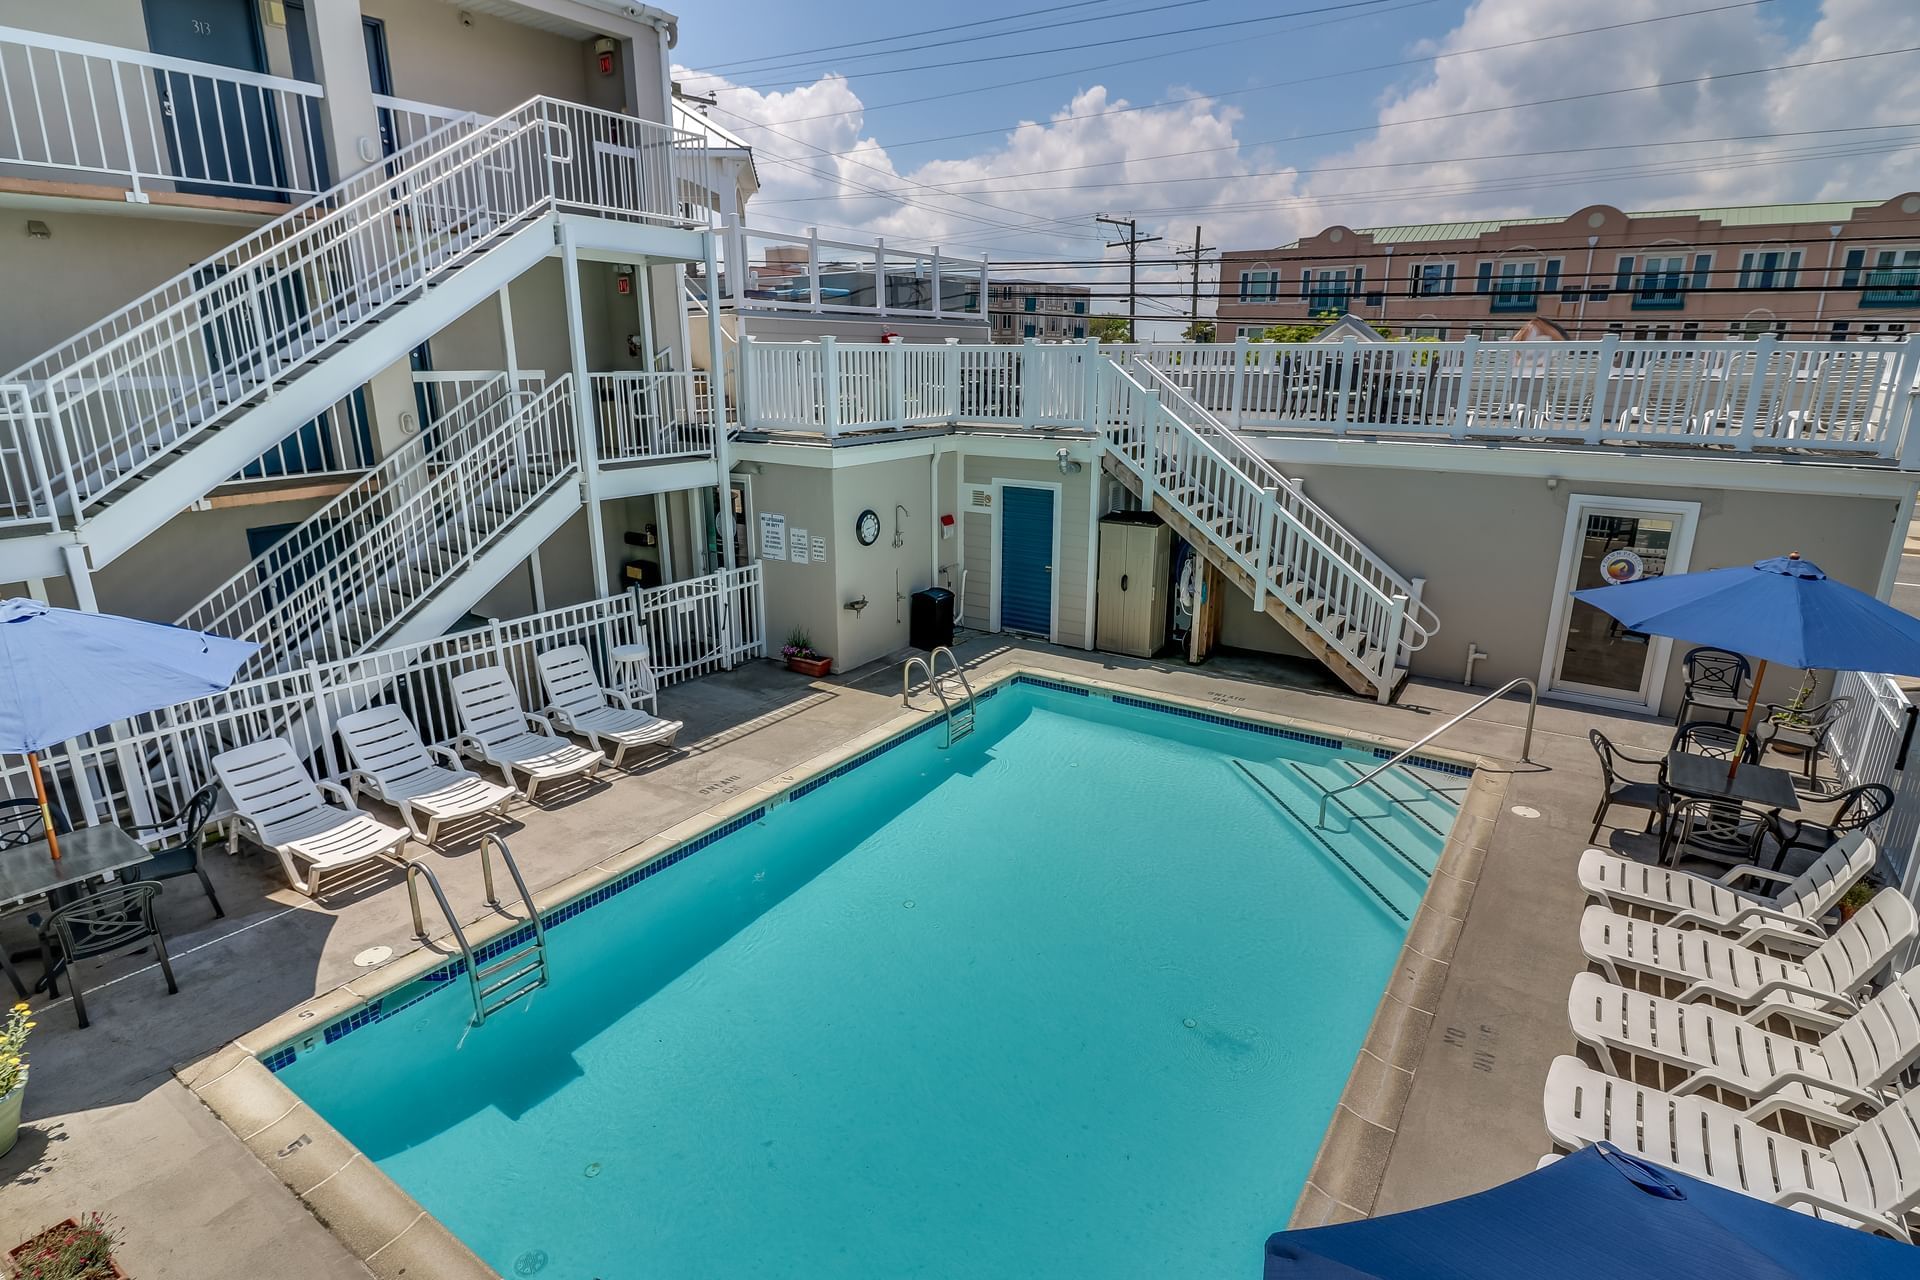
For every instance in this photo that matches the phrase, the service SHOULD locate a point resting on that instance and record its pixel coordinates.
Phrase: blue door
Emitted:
(221, 137)
(1026, 560)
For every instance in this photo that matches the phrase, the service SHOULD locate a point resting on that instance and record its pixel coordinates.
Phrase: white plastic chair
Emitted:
(1816, 991)
(284, 810)
(1869, 1177)
(1827, 1081)
(578, 704)
(520, 745)
(1790, 915)
(391, 763)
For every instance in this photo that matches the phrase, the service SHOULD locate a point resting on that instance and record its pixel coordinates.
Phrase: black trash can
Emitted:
(930, 618)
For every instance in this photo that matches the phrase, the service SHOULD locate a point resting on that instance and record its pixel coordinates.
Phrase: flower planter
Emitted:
(815, 667)
(29, 1258)
(10, 1119)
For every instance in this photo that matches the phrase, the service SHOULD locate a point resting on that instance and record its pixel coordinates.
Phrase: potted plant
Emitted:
(1793, 715)
(70, 1250)
(798, 651)
(13, 1072)
(1857, 897)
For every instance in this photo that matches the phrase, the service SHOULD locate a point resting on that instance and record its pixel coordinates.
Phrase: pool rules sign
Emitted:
(773, 536)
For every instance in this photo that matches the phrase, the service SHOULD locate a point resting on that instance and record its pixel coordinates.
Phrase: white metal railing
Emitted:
(404, 122)
(1335, 589)
(1872, 743)
(26, 494)
(775, 271)
(148, 767)
(1299, 511)
(148, 382)
(653, 415)
(1764, 394)
(73, 106)
(352, 583)
(338, 442)
(704, 624)
(245, 600)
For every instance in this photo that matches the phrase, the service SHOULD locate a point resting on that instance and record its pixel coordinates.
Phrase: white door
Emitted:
(1589, 655)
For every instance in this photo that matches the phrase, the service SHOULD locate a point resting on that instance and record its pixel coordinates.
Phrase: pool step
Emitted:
(1379, 817)
(1415, 795)
(1387, 873)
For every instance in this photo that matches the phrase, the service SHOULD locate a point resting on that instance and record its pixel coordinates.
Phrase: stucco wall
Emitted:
(882, 573)
(174, 569)
(475, 61)
(799, 595)
(1489, 547)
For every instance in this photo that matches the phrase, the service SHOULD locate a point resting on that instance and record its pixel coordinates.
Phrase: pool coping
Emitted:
(383, 1226)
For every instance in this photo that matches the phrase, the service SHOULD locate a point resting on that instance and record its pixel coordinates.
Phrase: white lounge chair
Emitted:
(1817, 990)
(1791, 915)
(282, 809)
(578, 704)
(521, 746)
(391, 763)
(1828, 1081)
(1870, 1177)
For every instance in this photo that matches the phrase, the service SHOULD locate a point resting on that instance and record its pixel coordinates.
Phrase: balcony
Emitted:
(775, 272)
(93, 112)
(1892, 287)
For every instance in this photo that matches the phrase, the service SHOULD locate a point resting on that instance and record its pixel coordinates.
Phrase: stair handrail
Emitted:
(493, 840)
(392, 474)
(1526, 745)
(1288, 494)
(331, 593)
(415, 871)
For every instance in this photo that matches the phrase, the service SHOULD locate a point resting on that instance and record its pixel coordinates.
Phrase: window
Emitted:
(1033, 303)
(1882, 331)
(1079, 306)
(1518, 287)
(1894, 280)
(1758, 327)
(1251, 332)
(1773, 269)
(1433, 280)
(1330, 288)
(1026, 330)
(1079, 331)
(1437, 332)
(1662, 282)
(1259, 285)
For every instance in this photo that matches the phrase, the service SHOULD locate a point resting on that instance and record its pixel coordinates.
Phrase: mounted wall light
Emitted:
(38, 230)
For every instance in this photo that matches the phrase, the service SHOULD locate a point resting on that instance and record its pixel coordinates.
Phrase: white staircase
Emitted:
(1329, 590)
(406, 551)
(149, 409)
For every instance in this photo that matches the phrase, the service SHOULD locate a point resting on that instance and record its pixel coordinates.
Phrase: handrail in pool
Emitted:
(1526, 746)
(415, 870)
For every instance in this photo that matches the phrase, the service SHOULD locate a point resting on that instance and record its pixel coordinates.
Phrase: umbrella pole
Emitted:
(46, 812)
(1746, 726)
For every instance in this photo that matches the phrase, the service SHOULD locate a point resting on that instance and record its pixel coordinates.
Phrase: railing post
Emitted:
(1091, 407)
(830, 386)
(1463, 394)
(1028, 363)
(1263, 550)
(895, 356)
(1419, 586)
(736, 269)
(1238, 381)
(1149, 412)
(135, 196)
(813, 268)
(951, 363)
(1343, 387)
(1904, 443)
(1756, 386)
(743, 382)
(1390, 651)
(880, 274)
(322, 721)
(936, 282)
(1602, 383)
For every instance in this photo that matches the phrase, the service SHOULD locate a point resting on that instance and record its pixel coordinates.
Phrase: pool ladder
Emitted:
(959, 713)
(496, 983)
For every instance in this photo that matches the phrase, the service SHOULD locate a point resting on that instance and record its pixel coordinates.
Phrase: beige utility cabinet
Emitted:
(1130, 602)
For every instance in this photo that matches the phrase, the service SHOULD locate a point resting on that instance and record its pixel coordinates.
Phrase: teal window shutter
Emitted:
(1702, 269)
(1856, 259)
(1306, 282)
(1486, 278)
(1552, 281)
(1623, 274)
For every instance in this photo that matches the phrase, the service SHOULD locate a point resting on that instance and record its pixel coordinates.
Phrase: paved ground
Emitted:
(108, 1128)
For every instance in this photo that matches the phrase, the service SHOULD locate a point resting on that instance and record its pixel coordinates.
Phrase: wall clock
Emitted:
(866, 527)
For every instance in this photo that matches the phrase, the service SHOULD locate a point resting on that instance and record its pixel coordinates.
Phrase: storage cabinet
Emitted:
(1130, 595)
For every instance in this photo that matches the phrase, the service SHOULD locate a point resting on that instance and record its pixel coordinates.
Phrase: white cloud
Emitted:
(1036, 177)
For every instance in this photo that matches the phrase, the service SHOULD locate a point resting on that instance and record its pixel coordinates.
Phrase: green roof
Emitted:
(1750, 215)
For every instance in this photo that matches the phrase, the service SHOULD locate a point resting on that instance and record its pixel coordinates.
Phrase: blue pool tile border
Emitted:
(392, 1003)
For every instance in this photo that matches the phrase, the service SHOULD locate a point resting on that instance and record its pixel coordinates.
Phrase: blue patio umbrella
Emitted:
(1599, 1212)
(1779, 610)
(64, 672)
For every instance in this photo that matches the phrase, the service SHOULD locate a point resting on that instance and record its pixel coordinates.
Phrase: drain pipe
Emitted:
(1474, 654)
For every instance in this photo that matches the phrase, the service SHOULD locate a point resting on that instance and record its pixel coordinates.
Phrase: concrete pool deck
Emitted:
(109, 1127)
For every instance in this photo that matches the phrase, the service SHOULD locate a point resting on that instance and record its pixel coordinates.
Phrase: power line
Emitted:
(1132, 245)
(908, 35)
(1200, 247)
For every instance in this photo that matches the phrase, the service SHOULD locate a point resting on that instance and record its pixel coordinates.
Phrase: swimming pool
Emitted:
(1076, 996)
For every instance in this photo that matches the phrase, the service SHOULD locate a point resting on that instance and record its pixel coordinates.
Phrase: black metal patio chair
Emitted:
(114, 919)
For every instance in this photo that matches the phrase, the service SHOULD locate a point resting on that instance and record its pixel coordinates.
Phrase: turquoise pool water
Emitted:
(1074, 998)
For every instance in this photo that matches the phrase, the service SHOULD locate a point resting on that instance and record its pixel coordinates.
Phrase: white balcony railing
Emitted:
(75, 107)
(1793, 399)
(148, 767)
(653, 415)
(774, 271)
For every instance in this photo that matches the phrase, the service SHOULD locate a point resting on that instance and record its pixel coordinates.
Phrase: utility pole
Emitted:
(1132, 245)
(1196, 251)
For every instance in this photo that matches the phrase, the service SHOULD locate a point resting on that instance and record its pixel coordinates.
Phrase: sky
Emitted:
(1009, 130)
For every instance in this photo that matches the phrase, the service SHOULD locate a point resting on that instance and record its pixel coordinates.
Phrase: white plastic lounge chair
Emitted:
(1791, 915)
(391, 763)
(521, 746)
(1826, 1081)
(1816, 991)
(1870, 1177)
(282, 809)
(578, 704)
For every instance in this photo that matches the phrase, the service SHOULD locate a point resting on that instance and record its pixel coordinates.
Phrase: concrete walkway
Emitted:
(109, 1129)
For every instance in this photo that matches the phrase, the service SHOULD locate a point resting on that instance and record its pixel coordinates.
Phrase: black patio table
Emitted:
(1704, 777)
(89, 853)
